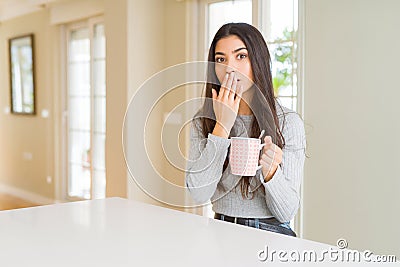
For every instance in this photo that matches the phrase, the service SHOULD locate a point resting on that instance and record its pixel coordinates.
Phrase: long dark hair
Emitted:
(262, 103)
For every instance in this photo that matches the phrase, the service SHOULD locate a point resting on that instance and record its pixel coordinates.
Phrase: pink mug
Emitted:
(244, 155)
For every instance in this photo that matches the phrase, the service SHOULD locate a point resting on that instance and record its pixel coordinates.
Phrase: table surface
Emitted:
(121, 232)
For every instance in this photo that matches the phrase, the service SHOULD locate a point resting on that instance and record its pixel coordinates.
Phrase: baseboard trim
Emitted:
(25, 195)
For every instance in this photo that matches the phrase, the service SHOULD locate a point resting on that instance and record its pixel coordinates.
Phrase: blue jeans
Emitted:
(268, 224)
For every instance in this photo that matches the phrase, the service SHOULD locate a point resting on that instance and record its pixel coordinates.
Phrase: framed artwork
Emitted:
(22, 74)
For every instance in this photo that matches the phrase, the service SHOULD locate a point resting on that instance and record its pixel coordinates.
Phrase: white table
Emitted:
(120, 232)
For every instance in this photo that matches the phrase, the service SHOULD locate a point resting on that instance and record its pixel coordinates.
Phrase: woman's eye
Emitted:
(219, 59)
(242, 56)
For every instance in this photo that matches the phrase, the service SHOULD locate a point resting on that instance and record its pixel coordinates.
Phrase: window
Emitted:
(279, 24)
(220, 13)
(86, 105)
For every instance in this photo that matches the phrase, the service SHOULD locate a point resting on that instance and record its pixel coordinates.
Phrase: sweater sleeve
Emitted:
(205, 163)
(282, 192)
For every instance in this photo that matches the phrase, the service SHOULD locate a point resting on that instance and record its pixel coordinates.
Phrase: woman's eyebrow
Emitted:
(234, 51)
(241, 48)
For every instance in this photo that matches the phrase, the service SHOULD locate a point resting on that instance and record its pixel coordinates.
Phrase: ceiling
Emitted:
(10, 9)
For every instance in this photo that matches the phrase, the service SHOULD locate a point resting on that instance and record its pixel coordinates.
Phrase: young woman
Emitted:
(240, 102)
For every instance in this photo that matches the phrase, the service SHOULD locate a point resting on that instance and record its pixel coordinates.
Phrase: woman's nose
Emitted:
(229, 68)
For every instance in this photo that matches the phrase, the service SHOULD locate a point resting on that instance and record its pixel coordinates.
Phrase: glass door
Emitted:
(86, 109)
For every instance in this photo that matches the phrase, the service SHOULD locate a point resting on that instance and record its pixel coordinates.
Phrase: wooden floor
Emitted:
(8, 202)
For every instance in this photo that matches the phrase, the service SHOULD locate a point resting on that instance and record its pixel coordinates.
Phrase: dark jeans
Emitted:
(268, 224)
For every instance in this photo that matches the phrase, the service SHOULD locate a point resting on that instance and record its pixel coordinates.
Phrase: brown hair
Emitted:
(263, 102)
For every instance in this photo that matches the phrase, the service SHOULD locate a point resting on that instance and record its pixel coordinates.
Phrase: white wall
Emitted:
(115, 19)
(145, 57)
(154, 43)
(32, 135)
(352, 94)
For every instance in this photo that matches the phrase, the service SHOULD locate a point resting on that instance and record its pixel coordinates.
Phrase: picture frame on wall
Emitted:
(22, 74)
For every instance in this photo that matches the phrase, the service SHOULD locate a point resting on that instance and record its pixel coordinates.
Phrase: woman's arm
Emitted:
(282, 191)
(205, 163)
(207, 155)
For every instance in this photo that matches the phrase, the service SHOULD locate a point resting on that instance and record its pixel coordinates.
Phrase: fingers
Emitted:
(268, 143)
(273, 154)
(239, 93)
(272, 157)
(270, 152)
(225, 80)
(269, 160)
(223, 86)
(268, 139)
(269, 164)
(232, 92)
(228, 86)
(231, 80)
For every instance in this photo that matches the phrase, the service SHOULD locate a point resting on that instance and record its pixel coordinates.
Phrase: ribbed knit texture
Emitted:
(205, 179)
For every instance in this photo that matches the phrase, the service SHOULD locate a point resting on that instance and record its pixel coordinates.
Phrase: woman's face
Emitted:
(231, 55)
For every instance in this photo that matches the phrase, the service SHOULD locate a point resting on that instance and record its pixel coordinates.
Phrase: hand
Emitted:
(226, 104)
(270, 158)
